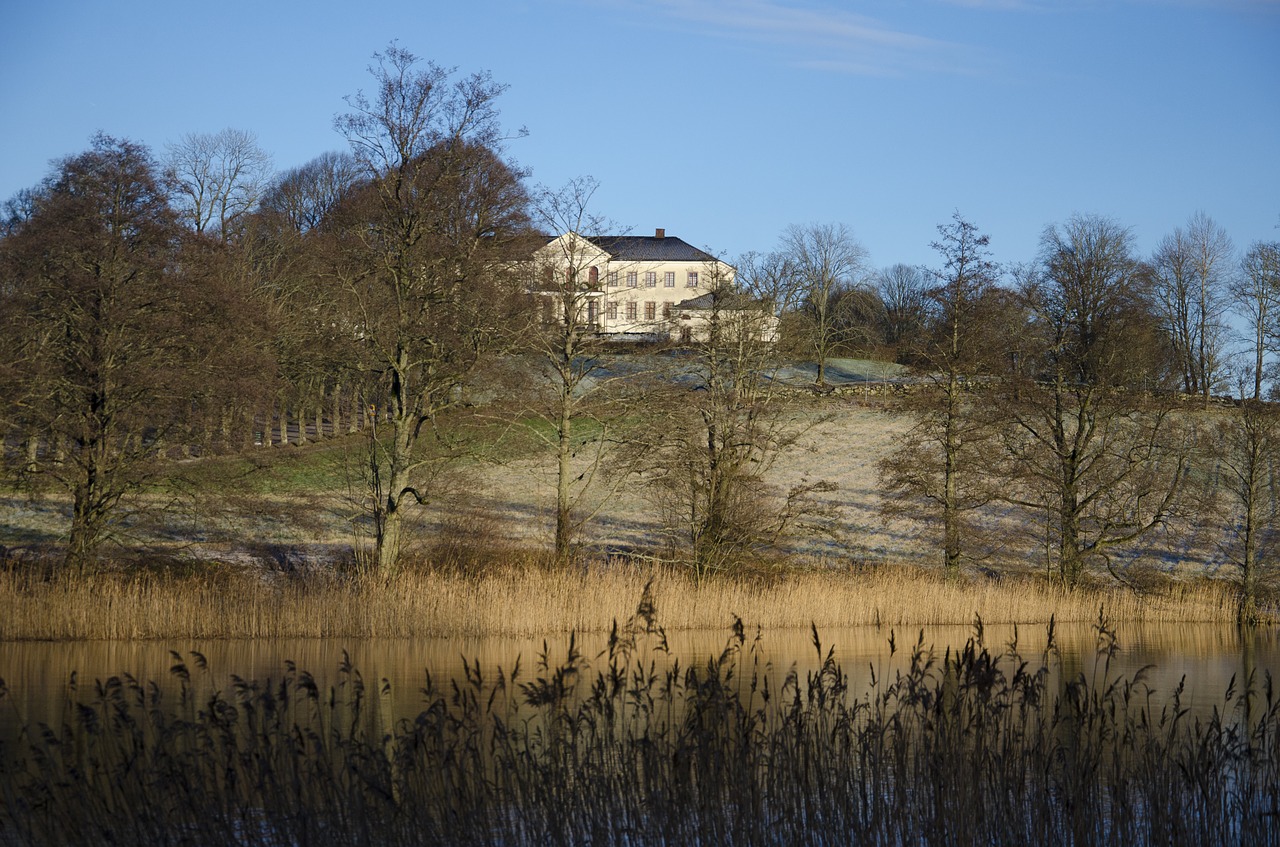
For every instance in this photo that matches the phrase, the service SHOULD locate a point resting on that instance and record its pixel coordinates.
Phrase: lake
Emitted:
(961, 757)
(1207, 655)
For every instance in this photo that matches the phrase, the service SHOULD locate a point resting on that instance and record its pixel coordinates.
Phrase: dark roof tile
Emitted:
(648, 248)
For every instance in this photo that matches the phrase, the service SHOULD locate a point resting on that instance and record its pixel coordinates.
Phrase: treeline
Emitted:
(1211, 305)
(196, 304)
(1071, 398)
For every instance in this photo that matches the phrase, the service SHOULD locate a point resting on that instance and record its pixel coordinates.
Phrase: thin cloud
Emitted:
(815, 36)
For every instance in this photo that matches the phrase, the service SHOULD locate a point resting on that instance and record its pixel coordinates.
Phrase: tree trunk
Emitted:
(1247, 607)
(301, 417)
(1259, 347)
(1205, 380)
(564, 471)
(224, 427)
(388, 539)
(391, 522)
(87, 510)
(1247, 610)
(81, 545)
(951, 494)
(1070, 556)
(401, 417)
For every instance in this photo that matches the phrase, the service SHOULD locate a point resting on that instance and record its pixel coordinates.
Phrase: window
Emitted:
(593, 276)
(631, 310)
(631, 279)
(593, 312)
(693, 280)
(666, 310)
(611, 311)
(670, 280)
(613, 279)
(650, 310)
(650, 279)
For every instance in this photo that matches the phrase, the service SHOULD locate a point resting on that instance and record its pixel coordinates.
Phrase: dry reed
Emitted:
(532, 601)
(976, 747)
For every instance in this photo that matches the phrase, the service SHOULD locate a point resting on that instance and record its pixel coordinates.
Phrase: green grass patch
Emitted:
(317, 467)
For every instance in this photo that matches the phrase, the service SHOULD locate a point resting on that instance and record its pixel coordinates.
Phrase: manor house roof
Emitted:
(649, 248)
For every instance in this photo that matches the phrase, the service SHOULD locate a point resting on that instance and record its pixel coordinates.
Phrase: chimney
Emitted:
(659, 233)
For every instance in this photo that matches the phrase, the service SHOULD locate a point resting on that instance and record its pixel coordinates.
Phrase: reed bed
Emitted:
(525, 600)
(971, 747)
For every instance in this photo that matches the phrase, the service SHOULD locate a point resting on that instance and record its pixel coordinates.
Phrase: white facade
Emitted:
(738, 318)
(632, 285)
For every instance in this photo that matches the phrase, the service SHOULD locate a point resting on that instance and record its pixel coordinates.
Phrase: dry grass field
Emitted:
(291, 522)
(842, 448)
(294, 522)
(851, 433)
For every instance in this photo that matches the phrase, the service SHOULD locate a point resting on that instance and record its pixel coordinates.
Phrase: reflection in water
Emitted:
(982, 753)
(37, 673)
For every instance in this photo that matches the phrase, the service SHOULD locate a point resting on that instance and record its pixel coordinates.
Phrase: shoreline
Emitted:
(522, 599)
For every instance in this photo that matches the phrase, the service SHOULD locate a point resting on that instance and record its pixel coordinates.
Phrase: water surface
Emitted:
(1208, 656)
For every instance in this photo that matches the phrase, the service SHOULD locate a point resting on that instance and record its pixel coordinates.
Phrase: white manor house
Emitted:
(637, 287)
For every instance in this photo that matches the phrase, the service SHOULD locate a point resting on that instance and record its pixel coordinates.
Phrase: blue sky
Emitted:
(724, 122)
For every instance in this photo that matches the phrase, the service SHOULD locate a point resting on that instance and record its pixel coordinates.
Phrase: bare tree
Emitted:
(828, 262)
(903, 289)
(245, 331)
(18, 209)
(771, 279)
(218, 178)
(109, 345)
(289, 242)
(1248, 468)
(860, 319)
(1192, 268)
(566, 289)
(943, 459)
(723, 430)
(304, 196)
(1255, 292)
(1083, 438)
(422, 259)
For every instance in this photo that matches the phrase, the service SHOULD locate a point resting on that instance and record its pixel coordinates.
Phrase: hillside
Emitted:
(300, 507)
